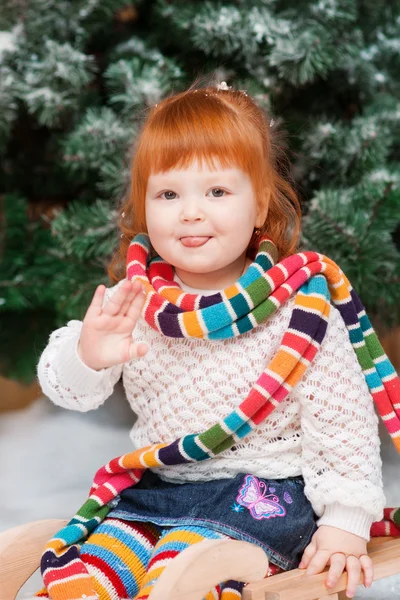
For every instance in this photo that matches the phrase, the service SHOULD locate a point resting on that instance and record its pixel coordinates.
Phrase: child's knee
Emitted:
(117, 555)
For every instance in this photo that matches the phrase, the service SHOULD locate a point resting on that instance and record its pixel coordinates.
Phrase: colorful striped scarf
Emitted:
(259, 292)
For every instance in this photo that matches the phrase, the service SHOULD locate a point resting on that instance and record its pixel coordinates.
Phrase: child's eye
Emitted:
(218, 190)
(168, 192)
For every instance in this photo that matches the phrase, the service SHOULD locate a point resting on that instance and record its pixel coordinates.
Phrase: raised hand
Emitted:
(106, 335)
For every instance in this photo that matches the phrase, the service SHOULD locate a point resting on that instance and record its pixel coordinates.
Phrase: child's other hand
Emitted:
(342, 551)
(106, 335)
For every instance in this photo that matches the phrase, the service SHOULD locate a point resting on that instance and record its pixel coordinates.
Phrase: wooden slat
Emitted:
(295, 585)
(16, 396)
(20, 552)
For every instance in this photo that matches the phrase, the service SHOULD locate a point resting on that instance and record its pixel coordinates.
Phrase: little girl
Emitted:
(208, 212)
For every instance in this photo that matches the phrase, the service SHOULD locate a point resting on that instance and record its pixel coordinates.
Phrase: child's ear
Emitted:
(262, 212)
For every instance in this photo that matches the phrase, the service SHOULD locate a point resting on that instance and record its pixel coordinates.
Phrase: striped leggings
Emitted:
(125, 558)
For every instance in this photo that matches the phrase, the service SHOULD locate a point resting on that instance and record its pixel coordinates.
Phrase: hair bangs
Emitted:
(198, 126)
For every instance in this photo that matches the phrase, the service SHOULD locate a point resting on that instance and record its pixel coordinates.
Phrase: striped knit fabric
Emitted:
(390, 524)
(172, 543)
(259, 292)
(127, 558)
(117, 554)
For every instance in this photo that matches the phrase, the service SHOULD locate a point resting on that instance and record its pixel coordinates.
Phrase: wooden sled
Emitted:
(197, 569)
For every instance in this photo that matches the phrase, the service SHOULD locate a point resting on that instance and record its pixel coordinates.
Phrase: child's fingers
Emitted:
(137, 350)
(338, 565)
(318, 562)
(95, 307)
(368, 568)
(308, 553)
(136, 288)
(113, 306)
(136, 305)
(353, 568)
(128, 299)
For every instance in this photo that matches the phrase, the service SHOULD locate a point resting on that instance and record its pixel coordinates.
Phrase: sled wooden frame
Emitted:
(204, 564)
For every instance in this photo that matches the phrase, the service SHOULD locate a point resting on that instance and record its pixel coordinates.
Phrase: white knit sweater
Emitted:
(326, 430)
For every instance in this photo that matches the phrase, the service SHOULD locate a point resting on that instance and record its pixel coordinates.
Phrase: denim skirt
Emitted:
(271, 513)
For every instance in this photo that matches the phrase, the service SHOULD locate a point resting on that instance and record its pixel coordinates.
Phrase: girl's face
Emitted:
(218, 206)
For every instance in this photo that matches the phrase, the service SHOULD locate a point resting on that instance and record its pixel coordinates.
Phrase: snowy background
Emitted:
(48, 457)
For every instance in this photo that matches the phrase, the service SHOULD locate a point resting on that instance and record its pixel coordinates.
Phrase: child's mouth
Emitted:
(194, 242)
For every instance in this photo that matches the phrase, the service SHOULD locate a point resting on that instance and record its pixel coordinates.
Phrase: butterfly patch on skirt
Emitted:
(253, 495)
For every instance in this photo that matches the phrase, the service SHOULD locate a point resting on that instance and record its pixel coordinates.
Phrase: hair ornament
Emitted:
(223, 86)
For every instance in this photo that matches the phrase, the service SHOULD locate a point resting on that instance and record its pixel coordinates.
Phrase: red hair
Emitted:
(207, 123)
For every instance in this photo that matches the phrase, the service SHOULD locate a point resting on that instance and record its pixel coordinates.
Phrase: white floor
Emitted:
(48, 457)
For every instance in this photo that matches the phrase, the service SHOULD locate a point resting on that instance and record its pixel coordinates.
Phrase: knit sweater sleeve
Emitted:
(66, 379)
(341, 460)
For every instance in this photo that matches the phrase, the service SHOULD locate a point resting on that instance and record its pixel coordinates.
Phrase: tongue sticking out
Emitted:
(192, 242)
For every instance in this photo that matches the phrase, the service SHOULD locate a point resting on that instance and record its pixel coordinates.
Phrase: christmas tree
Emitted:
(76, 79)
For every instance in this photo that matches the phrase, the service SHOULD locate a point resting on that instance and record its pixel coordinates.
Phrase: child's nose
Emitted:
(192, 210)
